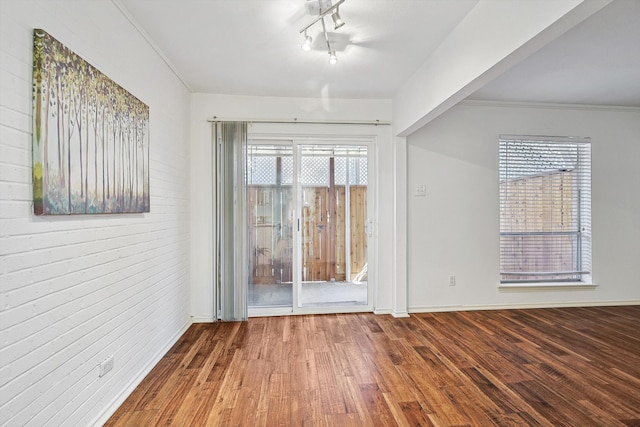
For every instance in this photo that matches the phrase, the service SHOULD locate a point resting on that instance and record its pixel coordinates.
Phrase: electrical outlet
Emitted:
(106, 366)
(452, 280)
(421, 190)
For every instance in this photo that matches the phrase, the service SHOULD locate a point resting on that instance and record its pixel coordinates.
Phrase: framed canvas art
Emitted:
(90, 137)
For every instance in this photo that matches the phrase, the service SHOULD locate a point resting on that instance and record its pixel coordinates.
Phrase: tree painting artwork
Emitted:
(90, 137)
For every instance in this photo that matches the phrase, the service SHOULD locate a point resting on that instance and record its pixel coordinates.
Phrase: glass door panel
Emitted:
(333, 217)
(270, 211)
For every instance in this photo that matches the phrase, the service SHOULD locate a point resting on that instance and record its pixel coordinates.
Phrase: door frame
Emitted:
(340, 135)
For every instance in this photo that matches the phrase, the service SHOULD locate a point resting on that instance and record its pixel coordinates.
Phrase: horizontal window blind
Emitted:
(545, 208)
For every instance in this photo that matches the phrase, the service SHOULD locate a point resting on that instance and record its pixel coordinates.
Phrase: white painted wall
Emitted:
(454, 230)
(206, 106)
(75, 290)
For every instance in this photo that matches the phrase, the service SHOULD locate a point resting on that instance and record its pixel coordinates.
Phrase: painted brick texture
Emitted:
(77, 289)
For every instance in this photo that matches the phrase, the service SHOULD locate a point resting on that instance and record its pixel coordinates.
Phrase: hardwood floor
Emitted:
(539, 367)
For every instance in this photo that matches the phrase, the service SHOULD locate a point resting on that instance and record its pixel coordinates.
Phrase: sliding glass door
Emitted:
(333, 212)
(270, 216)
(308, 226)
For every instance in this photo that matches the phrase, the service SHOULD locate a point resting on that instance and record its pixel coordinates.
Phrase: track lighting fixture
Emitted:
(306, 45)
(333, 59)
(337, 22)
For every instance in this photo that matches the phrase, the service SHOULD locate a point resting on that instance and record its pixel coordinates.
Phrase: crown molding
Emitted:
(545, 105)
(150, 42)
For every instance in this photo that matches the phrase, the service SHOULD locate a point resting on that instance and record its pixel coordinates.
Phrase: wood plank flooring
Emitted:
(538, 367)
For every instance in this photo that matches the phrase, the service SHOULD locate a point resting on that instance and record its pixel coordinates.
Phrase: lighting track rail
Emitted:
(323, 14)
(337, 21)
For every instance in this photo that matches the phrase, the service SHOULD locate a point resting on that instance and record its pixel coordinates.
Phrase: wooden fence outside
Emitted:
(538, 225)
(324, 242)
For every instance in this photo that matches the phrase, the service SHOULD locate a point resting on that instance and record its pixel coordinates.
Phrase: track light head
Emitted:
(337, 20)
(333, 59)
(306, 45)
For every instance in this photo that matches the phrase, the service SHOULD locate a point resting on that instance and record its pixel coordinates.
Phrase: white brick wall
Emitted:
(77, 289)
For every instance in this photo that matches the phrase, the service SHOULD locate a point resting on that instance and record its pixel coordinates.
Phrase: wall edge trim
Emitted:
(516, 306)
(103, 416)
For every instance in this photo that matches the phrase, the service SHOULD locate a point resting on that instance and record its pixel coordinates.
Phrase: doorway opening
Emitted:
(308, 210)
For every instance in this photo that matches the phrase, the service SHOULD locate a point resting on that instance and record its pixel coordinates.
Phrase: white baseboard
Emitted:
(442, 308)
(398, 314)
(202, 319)
(379, 311)
(117, 401)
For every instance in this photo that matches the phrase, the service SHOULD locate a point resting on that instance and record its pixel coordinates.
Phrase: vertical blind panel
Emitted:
(231, 261)
(545, 209)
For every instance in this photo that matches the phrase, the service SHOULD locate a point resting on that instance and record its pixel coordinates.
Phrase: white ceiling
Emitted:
(595, 63)
(252, 47)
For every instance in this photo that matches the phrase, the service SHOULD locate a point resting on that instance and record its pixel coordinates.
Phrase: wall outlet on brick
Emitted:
(106, 366)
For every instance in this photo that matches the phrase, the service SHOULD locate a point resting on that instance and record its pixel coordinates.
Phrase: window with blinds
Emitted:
(545, 209)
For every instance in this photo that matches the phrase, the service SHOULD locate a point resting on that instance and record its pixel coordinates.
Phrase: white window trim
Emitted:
(586, 280)
(546, 286)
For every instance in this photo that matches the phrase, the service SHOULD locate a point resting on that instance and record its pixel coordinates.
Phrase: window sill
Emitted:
(550, 286)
